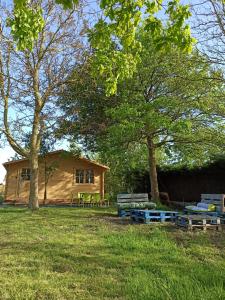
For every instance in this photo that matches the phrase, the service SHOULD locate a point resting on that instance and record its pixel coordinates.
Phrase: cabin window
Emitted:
(79, 176)
(25, 174)
(84, 176)
(89, 176)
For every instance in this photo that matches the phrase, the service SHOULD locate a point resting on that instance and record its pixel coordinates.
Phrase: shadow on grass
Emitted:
(16, 210)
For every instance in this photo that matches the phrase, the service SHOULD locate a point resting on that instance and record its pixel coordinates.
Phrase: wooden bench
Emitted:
(127, 202)
(217, 199)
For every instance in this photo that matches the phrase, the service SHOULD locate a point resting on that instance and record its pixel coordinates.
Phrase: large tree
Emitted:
(170, 102)
(30, 81)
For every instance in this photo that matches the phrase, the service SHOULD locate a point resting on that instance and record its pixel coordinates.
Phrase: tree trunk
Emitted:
(153, 170)
(46, 182)
(33, 198)
(34, 151)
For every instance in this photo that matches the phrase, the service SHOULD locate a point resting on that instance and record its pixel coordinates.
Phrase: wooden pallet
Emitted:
(222, 218)
(128, 202)
(208, 213)
(122, 213)
(149, 216)
(203, 222)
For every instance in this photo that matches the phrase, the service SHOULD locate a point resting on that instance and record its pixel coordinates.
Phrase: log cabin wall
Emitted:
(62, 181)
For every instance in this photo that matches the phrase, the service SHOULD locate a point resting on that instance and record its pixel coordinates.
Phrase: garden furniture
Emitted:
(198, 221)
(210, 204)
(128, 202)
(149, 216)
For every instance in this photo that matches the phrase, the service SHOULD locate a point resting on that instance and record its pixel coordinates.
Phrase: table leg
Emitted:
(190, 224)
(219, 227)
(204, 224)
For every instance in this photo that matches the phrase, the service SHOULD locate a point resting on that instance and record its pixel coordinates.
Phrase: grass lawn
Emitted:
(71, 253)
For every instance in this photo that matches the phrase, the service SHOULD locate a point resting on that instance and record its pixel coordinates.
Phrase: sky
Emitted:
(5, 155)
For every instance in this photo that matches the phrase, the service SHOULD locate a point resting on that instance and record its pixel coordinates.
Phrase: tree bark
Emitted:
(33, 198)
(153, 170)
(46, 182)
(34, 151)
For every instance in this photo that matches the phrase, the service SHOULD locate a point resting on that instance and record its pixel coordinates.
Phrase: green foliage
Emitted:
(75, 150)
(26, 24)
(172, 96)
(117, 49)
(114, 39)
(67, 4)
(28, 21)
(121, 163)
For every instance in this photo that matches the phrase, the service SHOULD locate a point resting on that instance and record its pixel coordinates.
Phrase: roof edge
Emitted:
(55, 152)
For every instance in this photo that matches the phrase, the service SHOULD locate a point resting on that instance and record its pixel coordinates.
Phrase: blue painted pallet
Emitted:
(148, 216)
(124, 213)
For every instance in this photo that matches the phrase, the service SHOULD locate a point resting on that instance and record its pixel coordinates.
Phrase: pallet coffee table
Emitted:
(149, 216)
(198, 221)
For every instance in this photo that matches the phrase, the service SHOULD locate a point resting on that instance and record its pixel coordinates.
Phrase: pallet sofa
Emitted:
(210, 204)
(128, 202)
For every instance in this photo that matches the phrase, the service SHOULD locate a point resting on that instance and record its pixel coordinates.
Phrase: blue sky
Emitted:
(5, 154)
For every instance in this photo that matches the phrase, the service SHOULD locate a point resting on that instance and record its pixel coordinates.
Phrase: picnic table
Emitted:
(198, 221)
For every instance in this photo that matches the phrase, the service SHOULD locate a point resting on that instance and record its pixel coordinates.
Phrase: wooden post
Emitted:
(18, 185)
(223, 204)
(102, 185)
(219, 227)
(6, 183)
(190, 224)
(204, 222)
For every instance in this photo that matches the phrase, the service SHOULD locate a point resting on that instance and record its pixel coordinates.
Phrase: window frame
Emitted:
(84, 176)
(91, 176)
(78, 176)
(25, 176)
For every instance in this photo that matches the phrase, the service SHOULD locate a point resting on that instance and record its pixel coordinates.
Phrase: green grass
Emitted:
(70, 253)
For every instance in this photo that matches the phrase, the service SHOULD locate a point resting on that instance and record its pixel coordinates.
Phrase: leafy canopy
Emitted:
(114, 38)
(28, 21)
(172, 97)
(117, 49)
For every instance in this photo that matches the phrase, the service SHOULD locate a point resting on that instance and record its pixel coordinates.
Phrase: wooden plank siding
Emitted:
(62, 183)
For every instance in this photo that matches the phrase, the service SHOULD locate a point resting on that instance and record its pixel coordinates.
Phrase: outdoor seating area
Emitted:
(89, 200)
(209, 213)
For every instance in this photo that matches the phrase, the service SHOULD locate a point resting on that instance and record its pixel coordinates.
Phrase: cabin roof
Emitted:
(58, 152)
